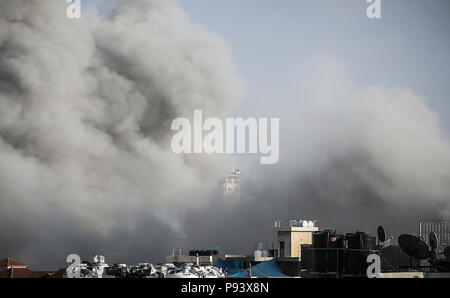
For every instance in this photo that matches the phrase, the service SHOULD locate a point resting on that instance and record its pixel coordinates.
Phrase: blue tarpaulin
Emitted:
(230, 266)
(264, 269)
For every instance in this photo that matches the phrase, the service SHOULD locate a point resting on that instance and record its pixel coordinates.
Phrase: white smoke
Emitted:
(352, 157)
(86, 108)
(85, 114)
(389, 138)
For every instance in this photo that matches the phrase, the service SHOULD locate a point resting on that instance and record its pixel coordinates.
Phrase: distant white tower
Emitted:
(232, 186)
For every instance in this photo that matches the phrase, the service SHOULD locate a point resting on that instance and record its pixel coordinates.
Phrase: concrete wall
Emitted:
(297, 239)
(402, 275)
(292, 242)
(286, 237)
(203, 260)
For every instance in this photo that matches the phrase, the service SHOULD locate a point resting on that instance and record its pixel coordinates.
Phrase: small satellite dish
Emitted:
(381, 234)
(414, 247)
(447, 253)
(434, 241)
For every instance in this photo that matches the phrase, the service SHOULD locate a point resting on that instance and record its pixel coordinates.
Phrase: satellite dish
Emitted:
(447, 253)
(434, 241)
(414, 247)
(381, 234)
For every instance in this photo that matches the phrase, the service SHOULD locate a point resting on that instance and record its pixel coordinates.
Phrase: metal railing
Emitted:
(441, 228)
(295, 223)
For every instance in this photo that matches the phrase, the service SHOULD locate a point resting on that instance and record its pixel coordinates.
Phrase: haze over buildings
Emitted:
(86, 107)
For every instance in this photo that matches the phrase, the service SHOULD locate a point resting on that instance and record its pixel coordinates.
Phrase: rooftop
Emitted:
(300, 223)
(8, 262)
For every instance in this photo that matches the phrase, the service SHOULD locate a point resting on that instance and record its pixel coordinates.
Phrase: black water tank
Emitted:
(307, 257)
(358, 246)
(336, 244)
(203, 252)
(320, 244)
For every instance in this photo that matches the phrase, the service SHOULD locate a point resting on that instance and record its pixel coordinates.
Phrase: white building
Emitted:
(291, 235)
(232, 186)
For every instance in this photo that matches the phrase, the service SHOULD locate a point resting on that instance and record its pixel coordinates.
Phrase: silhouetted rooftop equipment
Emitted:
(433, 240)
(414, 247)
(381, 231)
(441, 230)
(447, 253)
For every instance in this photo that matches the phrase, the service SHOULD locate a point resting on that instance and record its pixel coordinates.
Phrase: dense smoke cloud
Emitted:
(404, 154)
(85, 159)
(352, 157)
(85, 115)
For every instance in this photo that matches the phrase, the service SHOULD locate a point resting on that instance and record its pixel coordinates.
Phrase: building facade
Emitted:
(232, 186)
(291, 235)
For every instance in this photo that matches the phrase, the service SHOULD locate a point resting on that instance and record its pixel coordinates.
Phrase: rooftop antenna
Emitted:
(414, 247)
(433, 240)
(447, 253)
(381, 231)
(434, 244)
(387, 243)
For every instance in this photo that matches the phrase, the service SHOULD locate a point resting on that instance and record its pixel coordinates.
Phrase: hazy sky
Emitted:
(271, 40)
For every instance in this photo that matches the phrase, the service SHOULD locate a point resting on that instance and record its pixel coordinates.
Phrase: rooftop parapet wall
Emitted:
(296, 225)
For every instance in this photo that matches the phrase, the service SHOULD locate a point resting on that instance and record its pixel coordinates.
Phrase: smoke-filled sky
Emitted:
(86, 107)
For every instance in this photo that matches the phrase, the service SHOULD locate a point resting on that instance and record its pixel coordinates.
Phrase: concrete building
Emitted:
(200, 260)
(207, 258)
(291, 235)
(10, 268)
(9, 263)
(232, 186)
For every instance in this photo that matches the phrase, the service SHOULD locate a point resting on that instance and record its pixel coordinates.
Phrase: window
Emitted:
(281, 249)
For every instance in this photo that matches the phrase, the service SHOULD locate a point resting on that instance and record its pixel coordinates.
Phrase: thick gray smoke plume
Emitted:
(85, 115)
(352, 157)
(85, 162)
